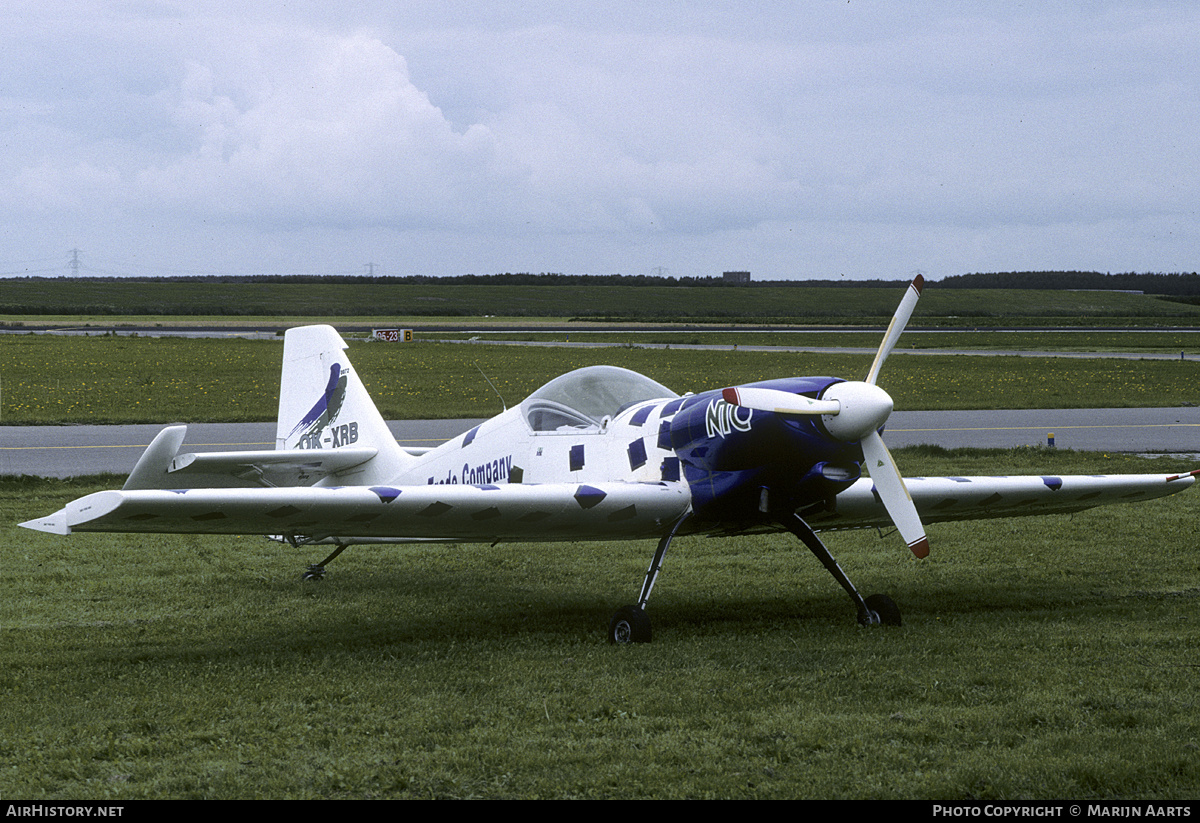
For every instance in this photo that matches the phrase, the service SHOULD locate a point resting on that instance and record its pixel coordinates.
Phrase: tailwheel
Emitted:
(883, 609)
(629, 625)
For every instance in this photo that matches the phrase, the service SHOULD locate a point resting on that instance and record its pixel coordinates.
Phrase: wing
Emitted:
(940, 499)
(555, 511)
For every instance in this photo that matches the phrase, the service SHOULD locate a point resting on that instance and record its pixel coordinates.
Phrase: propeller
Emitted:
(854, 411)
(896, 327)
(780, 402)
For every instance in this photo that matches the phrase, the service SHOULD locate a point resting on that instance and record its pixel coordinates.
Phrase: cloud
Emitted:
(318, 129)
(613, 137)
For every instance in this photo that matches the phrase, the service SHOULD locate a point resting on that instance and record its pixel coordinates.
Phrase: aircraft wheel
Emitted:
(629, 625)
(314, 572)
(886, 609)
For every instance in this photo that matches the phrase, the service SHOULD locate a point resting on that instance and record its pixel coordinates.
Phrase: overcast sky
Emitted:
(818, 139)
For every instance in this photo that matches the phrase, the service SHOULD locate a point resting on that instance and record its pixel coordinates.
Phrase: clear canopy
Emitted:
(585, 397)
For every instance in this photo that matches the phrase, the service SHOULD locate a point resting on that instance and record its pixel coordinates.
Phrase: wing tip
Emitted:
(51, 524)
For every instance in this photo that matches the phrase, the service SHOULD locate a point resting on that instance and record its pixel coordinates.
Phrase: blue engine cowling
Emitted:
(730, 454)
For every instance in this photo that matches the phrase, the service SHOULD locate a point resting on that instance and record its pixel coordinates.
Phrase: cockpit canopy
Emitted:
(586, 398)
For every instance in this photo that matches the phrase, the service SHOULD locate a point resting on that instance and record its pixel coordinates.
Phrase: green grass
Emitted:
(31, 300)
(1157, 342)
(1039, 658)
(110, 379)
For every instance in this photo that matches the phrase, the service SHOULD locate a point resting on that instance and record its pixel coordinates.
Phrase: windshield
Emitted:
(592, 394)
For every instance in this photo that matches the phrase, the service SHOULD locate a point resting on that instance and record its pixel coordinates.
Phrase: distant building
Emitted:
(736, 277)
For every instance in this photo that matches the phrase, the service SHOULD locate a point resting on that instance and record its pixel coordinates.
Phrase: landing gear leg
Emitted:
(878, 609)
(316, 571)
(630, 624)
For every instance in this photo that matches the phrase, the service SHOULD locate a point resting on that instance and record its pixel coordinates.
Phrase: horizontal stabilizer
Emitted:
(155, 461)
(162, 467)
(291, 467)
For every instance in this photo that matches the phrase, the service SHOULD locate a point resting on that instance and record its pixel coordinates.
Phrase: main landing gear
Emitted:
(876, 610)
(631, 625)
(316, 571)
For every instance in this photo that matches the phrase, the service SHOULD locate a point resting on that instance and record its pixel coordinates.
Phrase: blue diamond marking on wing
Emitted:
(627, 513)
(1052, 483)
(386, 494)
(435, 509)
(470, 436)
(589, 496)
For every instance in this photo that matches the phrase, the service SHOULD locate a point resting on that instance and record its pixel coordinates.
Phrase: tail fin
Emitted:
(324, 405)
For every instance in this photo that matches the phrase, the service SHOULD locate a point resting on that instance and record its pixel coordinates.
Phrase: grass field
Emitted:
(1039, 658)
(111, 379)
(112, 298)
(1159, 342)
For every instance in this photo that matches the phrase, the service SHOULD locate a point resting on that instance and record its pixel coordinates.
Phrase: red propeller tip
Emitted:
(920, 548)
(731, 397)
(1195, 473)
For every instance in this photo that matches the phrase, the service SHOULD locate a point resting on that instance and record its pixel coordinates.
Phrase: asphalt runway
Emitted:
(66, 451)
(70, 451)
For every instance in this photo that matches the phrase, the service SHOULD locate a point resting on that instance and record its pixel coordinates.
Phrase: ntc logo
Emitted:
(342, 435)
(722, 418)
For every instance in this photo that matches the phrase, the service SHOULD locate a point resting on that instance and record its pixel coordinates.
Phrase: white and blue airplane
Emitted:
(598, 453)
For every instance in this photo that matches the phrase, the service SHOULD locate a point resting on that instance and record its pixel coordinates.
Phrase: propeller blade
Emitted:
(894, 493)
(896, 327)
(779, 402)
